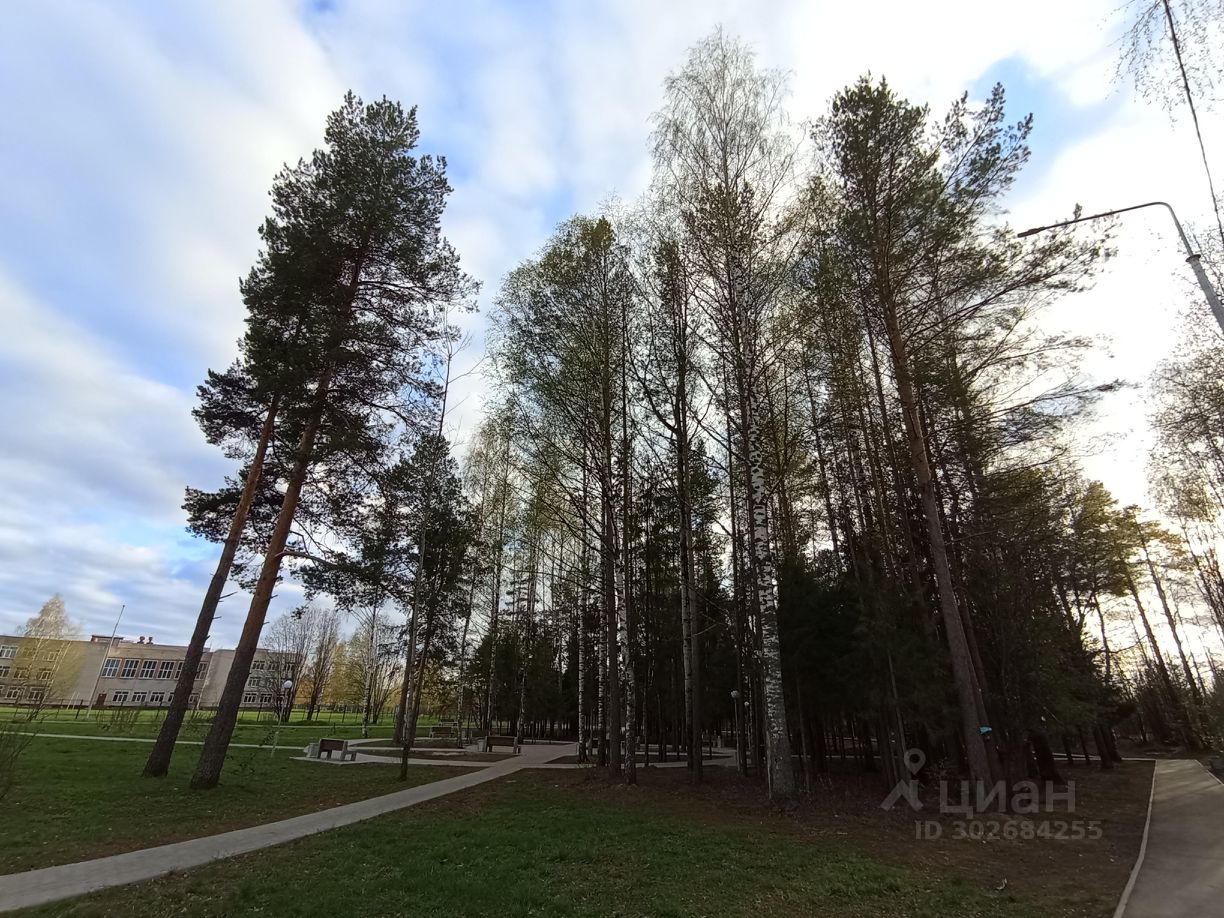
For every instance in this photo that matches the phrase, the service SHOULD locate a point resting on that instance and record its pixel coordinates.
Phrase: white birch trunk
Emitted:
(780, 771)
(624, 668)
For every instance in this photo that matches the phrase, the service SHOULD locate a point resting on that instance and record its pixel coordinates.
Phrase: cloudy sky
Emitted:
(138, 142)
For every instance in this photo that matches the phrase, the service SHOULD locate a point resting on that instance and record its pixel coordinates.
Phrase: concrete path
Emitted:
(1181, 868)
(34, 887)
(367, 759)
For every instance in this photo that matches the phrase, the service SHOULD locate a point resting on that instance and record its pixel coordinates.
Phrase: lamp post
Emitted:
(740, 758)
(1192, 258)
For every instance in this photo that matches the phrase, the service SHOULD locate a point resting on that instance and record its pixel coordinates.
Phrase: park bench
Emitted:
(337, 745)
(492, 741)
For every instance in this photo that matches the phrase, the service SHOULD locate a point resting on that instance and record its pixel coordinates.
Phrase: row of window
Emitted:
(147, 669)
(15, 693)
(8, 651)
(138, 697)
(272, 666)
(159, 698)
(23, 672)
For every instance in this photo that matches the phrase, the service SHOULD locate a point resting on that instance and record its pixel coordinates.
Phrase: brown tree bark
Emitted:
(212, 757)
(158, 762)
(967, 687)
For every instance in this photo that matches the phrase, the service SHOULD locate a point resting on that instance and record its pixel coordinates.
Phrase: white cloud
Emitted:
(130, 196)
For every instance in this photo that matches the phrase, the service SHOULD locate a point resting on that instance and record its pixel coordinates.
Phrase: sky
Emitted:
(139, 140)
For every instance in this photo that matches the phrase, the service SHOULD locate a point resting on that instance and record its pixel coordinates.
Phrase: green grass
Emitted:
(524, 846)
(75, 799)
(260, 733)
(252, 727)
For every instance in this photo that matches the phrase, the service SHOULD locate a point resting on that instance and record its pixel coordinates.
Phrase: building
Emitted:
(116, 672)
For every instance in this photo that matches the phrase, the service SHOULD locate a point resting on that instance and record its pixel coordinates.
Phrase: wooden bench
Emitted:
(337, 745)
(491, 741)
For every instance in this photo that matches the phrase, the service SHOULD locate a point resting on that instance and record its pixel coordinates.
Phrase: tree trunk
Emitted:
(611, 626)
(216, 744)
(158, 762)
(495, 589)
(1166, 681)
(1047, 768)
(1168, 613)
(688, 593)
(781, 774)
(401, 710)
(968, 689)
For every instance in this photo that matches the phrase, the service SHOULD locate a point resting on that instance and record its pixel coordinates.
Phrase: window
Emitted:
(138, 697)
(157, 698)
(35, 695)
(259, 664)
(53, 656)
(4, 671)
(202, 671)
(21, 672)
(178, 668)
(194, 699)
(119, 697)
(7, 651)
(44, 675)
(12, 693)
(148, 669)
(248, 698)
(265, 698)
(166, 670)
(110, 667)
(129, 669)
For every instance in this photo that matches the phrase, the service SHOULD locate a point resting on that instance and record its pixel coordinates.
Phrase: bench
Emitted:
(491, 741)
(337, 745)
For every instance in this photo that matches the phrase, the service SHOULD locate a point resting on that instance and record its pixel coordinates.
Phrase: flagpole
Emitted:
(102, 665)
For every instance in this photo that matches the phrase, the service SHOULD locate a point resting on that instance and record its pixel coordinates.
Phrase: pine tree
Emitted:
(365, 264)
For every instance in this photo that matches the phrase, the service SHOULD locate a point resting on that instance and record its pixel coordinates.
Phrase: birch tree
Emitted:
(726, 160)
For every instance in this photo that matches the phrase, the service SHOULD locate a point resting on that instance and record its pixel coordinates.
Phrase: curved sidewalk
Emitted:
(48, 884)
(1182, 868)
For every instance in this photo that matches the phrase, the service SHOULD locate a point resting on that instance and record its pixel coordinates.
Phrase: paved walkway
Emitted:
(34, 887)
(1182, 869)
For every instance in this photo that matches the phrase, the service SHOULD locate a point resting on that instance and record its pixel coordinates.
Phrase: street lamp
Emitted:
(741, 759)
(287, 695)
(1192, 257)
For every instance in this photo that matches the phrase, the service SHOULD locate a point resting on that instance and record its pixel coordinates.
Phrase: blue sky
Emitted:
(139, 141)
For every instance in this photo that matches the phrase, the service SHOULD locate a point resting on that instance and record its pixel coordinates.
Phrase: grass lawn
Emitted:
(252, 727)
(76, 799)
(570, 843)
(297, 735)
